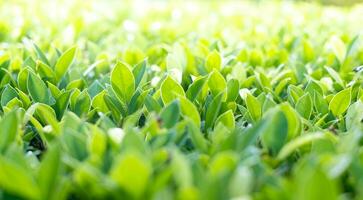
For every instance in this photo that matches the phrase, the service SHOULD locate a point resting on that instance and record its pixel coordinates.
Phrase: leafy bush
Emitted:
(180, 101)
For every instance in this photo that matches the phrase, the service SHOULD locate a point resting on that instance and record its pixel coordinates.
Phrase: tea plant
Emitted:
(180, 101)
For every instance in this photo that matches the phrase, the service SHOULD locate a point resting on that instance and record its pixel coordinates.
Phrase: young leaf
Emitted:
(195, 88)
(313, 87)
(132, 173)
(61, 104)
(83, 103)
(138, 72)
(216, 82)
(45, 72)
(8, 130)
(16, 179)
(189, 110)
(40, 54)
(304, 106)
(254, 107)
(38, 90)
(99, 103)
(274, 133)
(64, 62)
(321, 105)
(8, 94)
(197, 137)
(123, 81)
(170, 114)
(293, 120)
(49, 171)
(338, 47)
(294, 93)
(213, 110)
(354, 116)
(22, 79)
(340, 102)
(232, 90)
(298, 142)
(227, 119)
(334, 75)
(213, 61)
(151, 104)
(170, 90)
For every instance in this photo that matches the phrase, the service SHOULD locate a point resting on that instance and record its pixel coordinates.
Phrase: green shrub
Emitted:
(162, 100)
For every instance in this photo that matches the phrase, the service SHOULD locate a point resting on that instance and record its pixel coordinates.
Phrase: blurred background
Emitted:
(114, 25)
(326, 2)
(338, 2)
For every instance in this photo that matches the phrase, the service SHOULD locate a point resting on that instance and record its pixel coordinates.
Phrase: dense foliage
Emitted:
(109, 100)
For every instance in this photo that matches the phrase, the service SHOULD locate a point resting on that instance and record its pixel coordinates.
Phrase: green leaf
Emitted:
(232, 90)
(334, 75)
(313, 87)
(138, 72)
(197, 137)
(97, 143)
(64, 62)
(61, 104)
(170, 90)
(136, 100)
(24, 98)
(189, 110)
(213, 110)
(170, 114)
(8, 94)
(299, 142)
(227, 119)
(223, 163)
(340, 102)
(151, 104)
(281, 85)
(181, 169)
(99, 103)
(132, 173)
(353, 46)
(40, 54)
(213, 61)
(274, 130)
(338, 47)
(294, 93)
(8, 130)
(254, 107)
(256, 57)
(45, 72)
(304, 106)
(312, 182)
(16, 179)
(321, 105)
(123, 81)
(76, 84)
(95, 88)
(354, 117)
(38, 90)
(49, 171)
(115, 106)
(54, 90)
(83, 103)
(216, 82)
(293, 120)
(23, 79)
(268, 104)
(46, 115)
(196, 87)
(74, 140)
